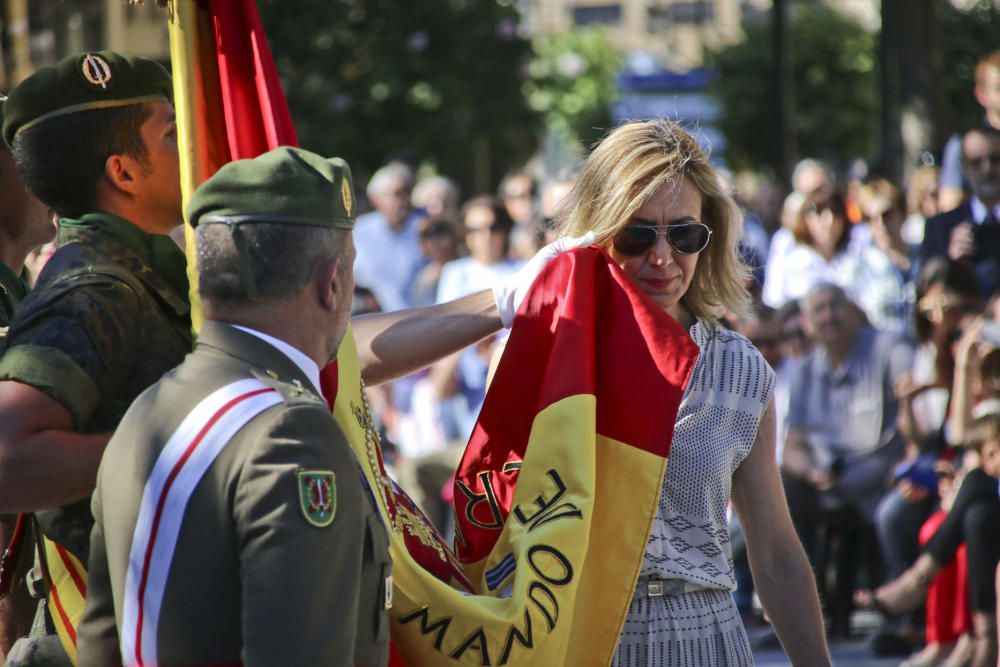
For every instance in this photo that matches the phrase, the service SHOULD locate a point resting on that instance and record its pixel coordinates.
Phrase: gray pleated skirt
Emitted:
(697, 629)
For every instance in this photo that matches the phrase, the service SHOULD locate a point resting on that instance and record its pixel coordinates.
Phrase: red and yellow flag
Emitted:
(227, 96)
(559, 486)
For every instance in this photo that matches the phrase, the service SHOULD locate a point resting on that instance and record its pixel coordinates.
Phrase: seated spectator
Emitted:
(438, 198)
(887, 267)
(822, 235)
(947, 295)
(971, 233)
(388, 248)
(842, 439)
(972, 519)
(921, 203)
(439, 245)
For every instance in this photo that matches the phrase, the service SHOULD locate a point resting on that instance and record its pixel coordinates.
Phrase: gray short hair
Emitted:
(384, 178)
(280, 258)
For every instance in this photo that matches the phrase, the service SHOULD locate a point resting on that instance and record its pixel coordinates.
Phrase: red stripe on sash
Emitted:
(158, 514)
(70, 630)
(81, 585)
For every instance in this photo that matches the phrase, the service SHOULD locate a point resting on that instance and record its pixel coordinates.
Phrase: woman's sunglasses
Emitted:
(686, 238)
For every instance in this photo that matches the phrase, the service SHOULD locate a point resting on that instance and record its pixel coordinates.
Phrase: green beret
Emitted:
(95, 80)
(286, 186)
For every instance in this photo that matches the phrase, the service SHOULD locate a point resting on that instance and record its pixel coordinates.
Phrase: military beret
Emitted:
(95, 80)
(285, 186)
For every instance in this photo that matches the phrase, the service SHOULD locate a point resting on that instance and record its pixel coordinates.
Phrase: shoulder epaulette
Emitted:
(293, 391)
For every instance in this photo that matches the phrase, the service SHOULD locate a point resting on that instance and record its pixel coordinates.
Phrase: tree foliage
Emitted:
(572, 83)
(372, 79)
(835, 94)
(965, 38)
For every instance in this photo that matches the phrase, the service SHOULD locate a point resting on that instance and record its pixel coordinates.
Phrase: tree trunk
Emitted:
(911, 84)
(784, 129)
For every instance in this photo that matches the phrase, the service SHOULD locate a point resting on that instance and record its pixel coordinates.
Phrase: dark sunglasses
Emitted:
(686, 238)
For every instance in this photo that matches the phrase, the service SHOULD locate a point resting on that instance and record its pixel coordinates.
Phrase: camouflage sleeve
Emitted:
(74, 341)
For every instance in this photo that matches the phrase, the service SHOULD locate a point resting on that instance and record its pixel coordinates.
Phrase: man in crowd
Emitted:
(291, 525)
(971, 233)
(951, 189)
(388, 238)
(841, 439)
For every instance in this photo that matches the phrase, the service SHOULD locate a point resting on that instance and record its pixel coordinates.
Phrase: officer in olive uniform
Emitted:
(251, 539)
(94, 138)
(25, 224)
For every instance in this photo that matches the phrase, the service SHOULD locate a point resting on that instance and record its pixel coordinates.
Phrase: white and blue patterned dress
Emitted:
(717, 423)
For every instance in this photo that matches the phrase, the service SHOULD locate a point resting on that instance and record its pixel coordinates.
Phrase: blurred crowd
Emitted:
(877, 304)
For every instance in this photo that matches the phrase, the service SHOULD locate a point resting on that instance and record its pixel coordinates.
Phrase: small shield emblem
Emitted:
(318, 496)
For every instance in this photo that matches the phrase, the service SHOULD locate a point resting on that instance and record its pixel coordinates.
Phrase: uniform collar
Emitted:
(158, 251)
(253, 348)
(308, 367)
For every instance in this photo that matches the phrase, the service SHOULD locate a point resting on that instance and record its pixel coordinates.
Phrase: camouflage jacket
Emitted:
(12, 292)
(108, 316)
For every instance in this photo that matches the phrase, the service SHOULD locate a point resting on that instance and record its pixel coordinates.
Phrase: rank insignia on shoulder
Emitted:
(318, 496)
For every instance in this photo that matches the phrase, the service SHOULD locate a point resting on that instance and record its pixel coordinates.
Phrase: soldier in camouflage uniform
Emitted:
(94, 138)
(25, 224)
(267, 547)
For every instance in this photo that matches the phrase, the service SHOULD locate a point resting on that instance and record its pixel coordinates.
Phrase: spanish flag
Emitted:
(227, 96)
(558, 488)
(559, 485)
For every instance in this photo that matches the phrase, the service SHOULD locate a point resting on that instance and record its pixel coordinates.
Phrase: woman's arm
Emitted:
(781, 572)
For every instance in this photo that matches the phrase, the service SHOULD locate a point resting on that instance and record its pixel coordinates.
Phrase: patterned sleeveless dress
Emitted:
(717, 423)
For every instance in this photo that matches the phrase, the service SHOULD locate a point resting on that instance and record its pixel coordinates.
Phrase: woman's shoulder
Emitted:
(721, 337)
(730, 363)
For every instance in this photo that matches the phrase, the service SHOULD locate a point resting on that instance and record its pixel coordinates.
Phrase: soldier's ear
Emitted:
(330, 283)
(123, 172)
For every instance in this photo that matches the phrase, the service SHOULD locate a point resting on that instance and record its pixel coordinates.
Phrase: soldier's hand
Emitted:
(510, 293)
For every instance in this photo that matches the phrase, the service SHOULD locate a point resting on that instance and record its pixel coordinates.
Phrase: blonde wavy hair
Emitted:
(626, 168)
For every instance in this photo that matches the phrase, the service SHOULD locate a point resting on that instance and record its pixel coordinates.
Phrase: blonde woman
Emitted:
(654, 202)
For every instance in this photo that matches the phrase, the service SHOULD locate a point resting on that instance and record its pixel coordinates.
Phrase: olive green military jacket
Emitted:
(108, 316)
(267, 568)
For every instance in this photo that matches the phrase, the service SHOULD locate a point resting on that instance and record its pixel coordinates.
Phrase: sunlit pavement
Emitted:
(851, 652)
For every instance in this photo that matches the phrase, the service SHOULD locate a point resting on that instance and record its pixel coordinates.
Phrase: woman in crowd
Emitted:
(887, 271)
(655, 204)
(821, 253)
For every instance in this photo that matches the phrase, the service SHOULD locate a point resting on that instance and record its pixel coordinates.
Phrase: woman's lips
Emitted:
(658, 283)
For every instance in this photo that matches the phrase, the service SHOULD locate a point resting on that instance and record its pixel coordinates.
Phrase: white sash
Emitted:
(180, 466)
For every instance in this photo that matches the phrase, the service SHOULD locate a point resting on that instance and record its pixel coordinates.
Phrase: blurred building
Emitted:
(40, 32)
(676, 32)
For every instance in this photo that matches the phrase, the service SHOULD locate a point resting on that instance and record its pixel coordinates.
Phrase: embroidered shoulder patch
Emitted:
(318, 496)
